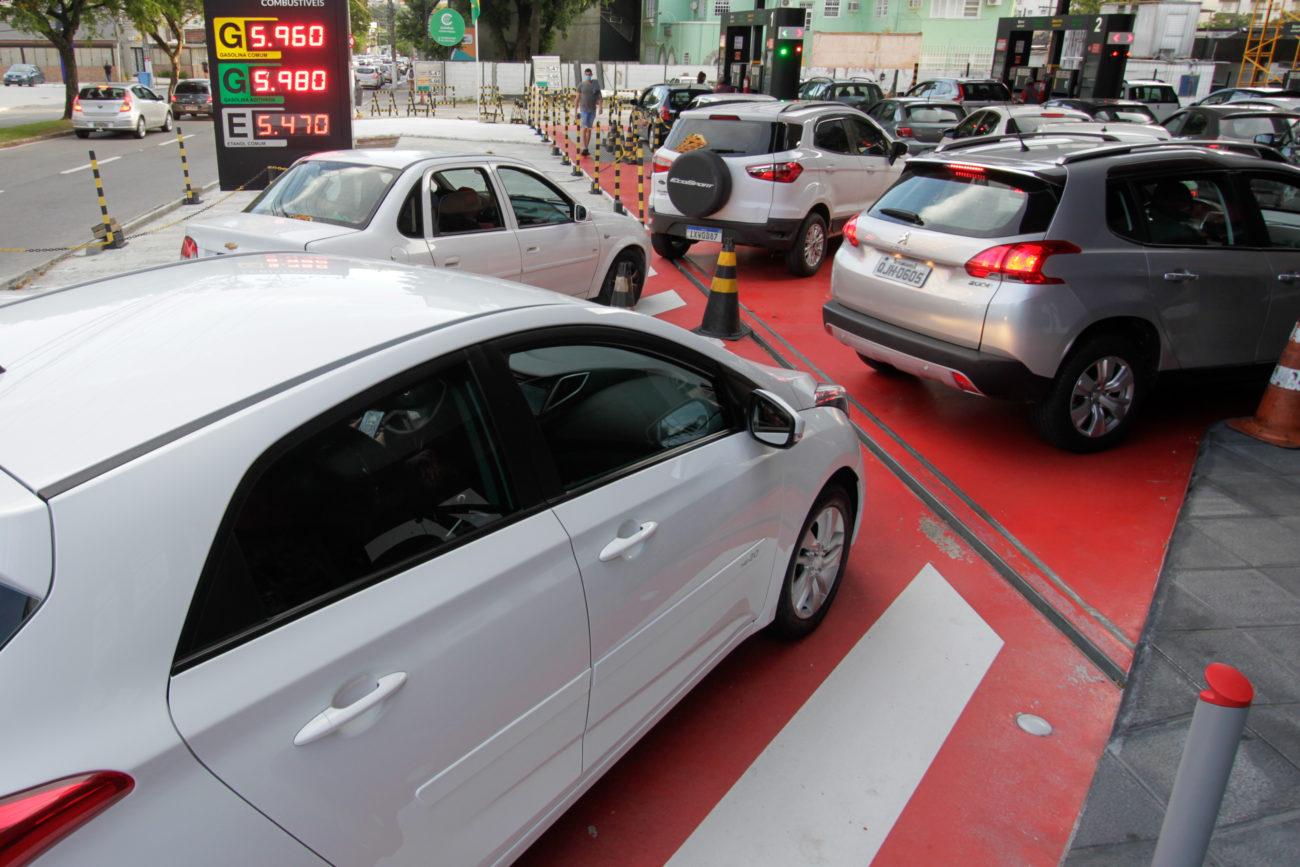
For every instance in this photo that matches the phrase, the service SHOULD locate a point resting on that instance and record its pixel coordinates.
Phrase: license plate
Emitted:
(903, 271)
(101, 126)
(700, 233)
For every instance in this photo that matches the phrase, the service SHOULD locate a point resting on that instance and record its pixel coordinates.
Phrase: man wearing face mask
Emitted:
(587, 102)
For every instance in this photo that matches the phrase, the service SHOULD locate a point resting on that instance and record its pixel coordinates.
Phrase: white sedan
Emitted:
(316, 559)
(487, 214)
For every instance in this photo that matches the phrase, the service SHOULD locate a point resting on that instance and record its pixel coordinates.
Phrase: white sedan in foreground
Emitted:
(482, 213)
(315, 559)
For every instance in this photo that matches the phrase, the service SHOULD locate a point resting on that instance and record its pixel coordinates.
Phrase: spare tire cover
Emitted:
(699, 183)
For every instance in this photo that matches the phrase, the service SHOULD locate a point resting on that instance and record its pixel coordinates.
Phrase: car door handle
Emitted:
(1180, 275)
(1288, 277)
(333, 718)
(533, 249)
(451, 262)
(619, 546)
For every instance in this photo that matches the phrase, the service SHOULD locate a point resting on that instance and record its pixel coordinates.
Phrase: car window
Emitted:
(866, 137)
(883, 111)
(102, 92)
(934, 114)
(463, 201)
(831, 135)
(1195, 124)
(410, 219)
(602, 409)
(1187, 211)
(200, 87)
(535, 201)
(345, 194)
(371, 487)
(1278, 201)
(679, 99)
(974, 204)
(1216, 98)
(731, 137)
(985, 91)
(1246, 128)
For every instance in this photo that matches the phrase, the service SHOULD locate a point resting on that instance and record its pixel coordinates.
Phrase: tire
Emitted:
(635, 283)
(140, 131)
(699, 183)
(816, 565)
(805, 258)
(883, 367)
(167, 123)
(669, 246)
(1094, 397)
(82, 133)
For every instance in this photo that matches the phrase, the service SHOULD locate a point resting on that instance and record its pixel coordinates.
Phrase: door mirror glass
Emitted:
(579, 213)
(896, 150)
(773, 421)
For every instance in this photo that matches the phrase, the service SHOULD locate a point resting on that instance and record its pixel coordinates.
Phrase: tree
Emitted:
(528, 27)
(413, 27)
(359, 21)
(58, 21)
(1226, 21)
(1085, 7)
(164, 22)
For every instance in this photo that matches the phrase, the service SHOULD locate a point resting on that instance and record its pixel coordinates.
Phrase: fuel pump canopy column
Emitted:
(1105, 48)
(761, 51)
(282, 86)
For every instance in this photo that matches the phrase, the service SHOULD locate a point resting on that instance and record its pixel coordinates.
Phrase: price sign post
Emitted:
(282, 84)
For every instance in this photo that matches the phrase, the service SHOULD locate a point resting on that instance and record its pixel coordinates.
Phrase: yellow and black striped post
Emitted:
(640, 181)
(595, 159)
(617, 136)
(722, 312)
(112, 239)
(191, 197)
(568, 120)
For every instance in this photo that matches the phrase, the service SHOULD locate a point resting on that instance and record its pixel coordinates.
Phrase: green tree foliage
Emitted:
(164, 22)
(528, 27)
(359, 21)
(58, 21)
(413, 27)
(1226, 21)
(1085, 7)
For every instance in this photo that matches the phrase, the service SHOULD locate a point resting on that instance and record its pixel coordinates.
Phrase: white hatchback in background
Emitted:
(130, 108)
(375, 564)
(1158, 95)
(481, 213)
(781, 175)
(1011, 119)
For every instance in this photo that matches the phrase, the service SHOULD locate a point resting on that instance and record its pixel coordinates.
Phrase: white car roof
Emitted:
(109, 368)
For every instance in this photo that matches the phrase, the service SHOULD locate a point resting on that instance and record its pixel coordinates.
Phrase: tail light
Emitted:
(663, 113)
(33, 820)
(189, 249)
(126, 102)
(174, 99)
(208, 99)
(660, 165)
(851, 231)
(76, 103)
(903, 132)
(1023, 262)
(781, 173)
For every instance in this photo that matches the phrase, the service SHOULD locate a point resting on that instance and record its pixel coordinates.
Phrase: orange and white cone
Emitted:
(722, 312)
(1277, 420)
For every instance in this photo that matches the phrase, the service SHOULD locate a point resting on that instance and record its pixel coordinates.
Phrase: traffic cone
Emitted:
(1277, 420)
(722, 313)
(622, 296)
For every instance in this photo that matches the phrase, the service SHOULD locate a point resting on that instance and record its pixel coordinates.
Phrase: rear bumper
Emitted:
(777, 234)
(930, 358)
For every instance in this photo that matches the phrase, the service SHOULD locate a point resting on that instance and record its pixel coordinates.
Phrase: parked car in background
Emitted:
(481, 213)
(1158, 96)
(1109, 110)
(919, 122)
(970, 92)
(24, 73)
(999, 119)
(428, 519)
(1112, 131)
(1230, 122)
(1068, 274)
(857, 92)
(369, 76)
(192, 96)
(781, 175)
(1237, 94)
(130, 108)
(714, 99)
(659, 105)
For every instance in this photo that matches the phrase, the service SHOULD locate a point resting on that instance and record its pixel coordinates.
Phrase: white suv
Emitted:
(785, 175)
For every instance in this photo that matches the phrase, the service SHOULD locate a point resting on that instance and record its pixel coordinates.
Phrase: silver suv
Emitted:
(1054, 270)
(782, 175)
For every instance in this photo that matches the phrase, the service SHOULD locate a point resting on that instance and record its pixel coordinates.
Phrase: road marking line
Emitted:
(170, 142)
(660, 302)
(87, 165)
(829, 788)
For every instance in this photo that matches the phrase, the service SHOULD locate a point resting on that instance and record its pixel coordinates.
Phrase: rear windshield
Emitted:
(343, 194)
(192, 87)
(985, 91)
(972, 203)
(102, 91)
(730, 137)
(1129, 113)
(933, 113)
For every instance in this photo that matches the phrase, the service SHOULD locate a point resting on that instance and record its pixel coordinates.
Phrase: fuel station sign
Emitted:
(281, 84)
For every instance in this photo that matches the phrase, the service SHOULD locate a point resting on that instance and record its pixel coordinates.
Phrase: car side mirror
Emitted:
(949, 133)
(1265, 138)
(773, 421)
(579, 213)
(896, 150)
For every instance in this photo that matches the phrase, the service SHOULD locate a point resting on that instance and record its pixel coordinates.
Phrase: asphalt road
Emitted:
(48, 195)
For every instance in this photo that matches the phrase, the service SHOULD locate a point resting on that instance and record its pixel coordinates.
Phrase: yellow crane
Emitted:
(1262, 39)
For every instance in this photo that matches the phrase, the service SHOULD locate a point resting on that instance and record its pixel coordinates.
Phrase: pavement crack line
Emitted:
(1113, 670)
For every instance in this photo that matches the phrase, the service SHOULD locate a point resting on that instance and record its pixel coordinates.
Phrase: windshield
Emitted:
(344, 194)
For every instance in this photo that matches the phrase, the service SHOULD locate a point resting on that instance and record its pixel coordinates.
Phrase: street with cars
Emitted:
(538, 522)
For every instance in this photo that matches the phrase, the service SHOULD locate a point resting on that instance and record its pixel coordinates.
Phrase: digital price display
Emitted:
(282, 88)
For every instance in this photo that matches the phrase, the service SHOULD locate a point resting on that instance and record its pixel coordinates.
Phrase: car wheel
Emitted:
(140, 131)
(816, 565)
(82, 133)
(1093, 399)
(805, 258)
(636, 282)
(167, 123)
(880, 366)
(699, 183)
(669, 246)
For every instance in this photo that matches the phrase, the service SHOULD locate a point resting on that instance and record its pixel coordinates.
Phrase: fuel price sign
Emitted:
(281, 86)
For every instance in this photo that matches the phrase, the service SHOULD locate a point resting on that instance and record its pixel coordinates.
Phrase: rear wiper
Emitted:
(726, 150)
(906, 216)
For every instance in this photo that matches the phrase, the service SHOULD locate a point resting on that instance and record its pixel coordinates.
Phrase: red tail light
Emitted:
(189, 249)
(126, 102)
(660, 165)
(851, 231)
(33, 820)
(1023, 262)
(76, 103)
(174, 98)
(781, 173)
(904, 131)
(663, 113)
(209, 99)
